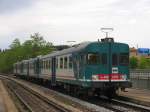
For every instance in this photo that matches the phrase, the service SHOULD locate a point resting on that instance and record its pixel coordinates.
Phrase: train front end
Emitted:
(108, 66)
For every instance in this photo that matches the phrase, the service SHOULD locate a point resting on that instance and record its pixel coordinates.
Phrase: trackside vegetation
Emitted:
(139, 63)
(18, 51)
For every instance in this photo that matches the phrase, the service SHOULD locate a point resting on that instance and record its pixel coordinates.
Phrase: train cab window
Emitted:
(70, 62)
(65, 62)
(93, 58)
(124, 59)
(61, 63)
(104, 58)
(114, 59)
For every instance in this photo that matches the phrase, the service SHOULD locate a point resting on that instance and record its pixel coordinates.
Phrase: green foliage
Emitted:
(31, 48)
(133, 62)
(15, 44)
(139, 63)
(143, 63)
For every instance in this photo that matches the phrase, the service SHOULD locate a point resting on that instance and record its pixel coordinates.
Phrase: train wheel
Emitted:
(111, 93)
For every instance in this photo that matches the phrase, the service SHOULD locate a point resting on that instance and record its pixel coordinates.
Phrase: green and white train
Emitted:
(100, 67)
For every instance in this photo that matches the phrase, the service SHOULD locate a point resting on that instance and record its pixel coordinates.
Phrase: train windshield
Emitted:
(96, 58)
(93, 58)
(124, 59)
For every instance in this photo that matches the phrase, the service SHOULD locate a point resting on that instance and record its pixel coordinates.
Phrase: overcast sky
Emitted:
(79, 20)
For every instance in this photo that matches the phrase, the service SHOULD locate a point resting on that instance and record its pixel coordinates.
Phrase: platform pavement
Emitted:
(137, 94)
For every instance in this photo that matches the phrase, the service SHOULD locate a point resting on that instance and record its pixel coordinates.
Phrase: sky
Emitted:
(59, 21)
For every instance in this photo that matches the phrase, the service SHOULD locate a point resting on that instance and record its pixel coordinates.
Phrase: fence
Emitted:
(140, 74)
(140, 78)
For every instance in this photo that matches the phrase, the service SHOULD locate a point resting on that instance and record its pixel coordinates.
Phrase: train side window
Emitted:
(124, 59)
(56, 62)
(30, 65)
(65, 62)
(61, 63)
(41, 64)
(70, 62)
(49, 64)
(44, 64)
(114, 59)
(104, 58)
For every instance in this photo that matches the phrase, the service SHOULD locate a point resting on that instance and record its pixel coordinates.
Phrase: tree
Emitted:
(148, 62)
(31, 48)
(143, 63)
(15, 44)
(37, 40)
(133, 62)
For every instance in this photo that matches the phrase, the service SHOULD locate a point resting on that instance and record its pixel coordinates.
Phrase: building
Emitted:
(133, 52)
(140, 52)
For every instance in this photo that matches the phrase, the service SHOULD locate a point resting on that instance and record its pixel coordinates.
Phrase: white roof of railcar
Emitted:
(68, 50)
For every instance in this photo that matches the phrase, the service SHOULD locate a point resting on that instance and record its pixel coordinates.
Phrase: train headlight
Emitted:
(124, 77)
(95, 77)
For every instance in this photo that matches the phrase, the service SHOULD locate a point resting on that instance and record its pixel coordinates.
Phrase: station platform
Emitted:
(137, 95)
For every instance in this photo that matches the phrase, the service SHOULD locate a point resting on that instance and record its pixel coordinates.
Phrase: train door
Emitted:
(53, 77)
(81, 66)
(38, 67)
(27, 69)
(76, 66)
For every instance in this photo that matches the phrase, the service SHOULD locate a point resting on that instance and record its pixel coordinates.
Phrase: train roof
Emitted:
(75, 48)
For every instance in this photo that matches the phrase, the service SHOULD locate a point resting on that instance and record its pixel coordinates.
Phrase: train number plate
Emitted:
(114, 69)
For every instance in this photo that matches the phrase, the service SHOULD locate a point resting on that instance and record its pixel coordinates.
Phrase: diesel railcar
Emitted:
(99, 67)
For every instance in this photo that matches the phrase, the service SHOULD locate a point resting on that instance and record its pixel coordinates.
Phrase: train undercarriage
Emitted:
(97, 89)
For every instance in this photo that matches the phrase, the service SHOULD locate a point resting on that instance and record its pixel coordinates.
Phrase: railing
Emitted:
(140, 74)
(140, 78)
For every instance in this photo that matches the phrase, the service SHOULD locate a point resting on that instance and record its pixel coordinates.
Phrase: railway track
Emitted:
(118, 105)
(33, 101)
(113, 105)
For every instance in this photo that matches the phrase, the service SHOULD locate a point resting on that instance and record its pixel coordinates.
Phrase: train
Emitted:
(91, 68)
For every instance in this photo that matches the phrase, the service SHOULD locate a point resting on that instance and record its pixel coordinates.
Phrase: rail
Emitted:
(32, 100)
